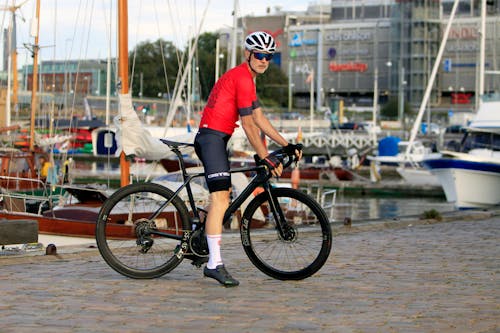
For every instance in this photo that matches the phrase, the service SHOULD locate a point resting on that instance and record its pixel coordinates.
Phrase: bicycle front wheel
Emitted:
(302, 246)
(127, 233)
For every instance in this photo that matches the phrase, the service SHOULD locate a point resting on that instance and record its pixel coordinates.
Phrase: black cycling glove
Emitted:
(271, 161)
(290, 149)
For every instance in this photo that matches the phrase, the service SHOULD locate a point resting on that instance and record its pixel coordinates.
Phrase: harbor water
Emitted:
(355, 206)
(369, 208)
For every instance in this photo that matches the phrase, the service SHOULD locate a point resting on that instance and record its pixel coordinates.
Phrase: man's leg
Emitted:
(219, 201)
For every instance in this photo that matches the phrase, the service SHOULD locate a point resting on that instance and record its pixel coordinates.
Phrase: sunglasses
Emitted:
(262, 56)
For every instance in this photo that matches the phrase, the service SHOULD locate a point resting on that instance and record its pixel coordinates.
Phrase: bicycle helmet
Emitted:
(260, 41)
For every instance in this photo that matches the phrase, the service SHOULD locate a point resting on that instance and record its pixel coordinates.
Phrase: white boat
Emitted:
(409, 162)
(471, 177)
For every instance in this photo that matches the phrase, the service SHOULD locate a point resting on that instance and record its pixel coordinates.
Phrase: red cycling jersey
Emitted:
(233, 95)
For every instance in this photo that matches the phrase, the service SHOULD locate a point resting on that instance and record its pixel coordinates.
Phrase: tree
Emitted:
(272, 87)
(149, 60)
(205, 56)
(391, 109)
(154, 65)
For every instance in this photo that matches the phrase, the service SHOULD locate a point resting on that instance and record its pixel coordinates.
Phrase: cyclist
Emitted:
(232, 97)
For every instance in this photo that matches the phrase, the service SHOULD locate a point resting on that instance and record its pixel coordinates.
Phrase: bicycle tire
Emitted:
(121, 218)
(293, 259)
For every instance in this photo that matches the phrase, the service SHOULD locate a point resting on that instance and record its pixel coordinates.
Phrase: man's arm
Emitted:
(252, 132)
(265, 125)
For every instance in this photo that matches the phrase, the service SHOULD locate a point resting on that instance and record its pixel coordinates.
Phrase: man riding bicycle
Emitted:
(234, 96)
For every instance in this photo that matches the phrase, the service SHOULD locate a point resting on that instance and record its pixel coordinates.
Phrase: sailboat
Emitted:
(412, 153)
(64, 209)
(471, 177)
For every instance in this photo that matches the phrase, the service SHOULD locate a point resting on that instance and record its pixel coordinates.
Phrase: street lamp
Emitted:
(376, 92)
(401, 88)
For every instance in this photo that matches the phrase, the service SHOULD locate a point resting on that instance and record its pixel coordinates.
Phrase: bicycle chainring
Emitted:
(198, 243)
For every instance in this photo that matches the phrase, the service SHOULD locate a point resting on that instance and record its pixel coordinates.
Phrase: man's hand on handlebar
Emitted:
(294, 149)
(273, 163)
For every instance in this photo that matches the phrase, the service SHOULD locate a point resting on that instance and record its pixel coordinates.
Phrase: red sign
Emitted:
(461, 98)
(348, 67)
(463, 33)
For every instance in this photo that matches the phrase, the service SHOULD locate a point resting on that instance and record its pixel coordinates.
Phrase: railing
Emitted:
(44, 195)
(326, 199)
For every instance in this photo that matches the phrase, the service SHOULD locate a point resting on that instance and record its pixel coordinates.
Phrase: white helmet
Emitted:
(260, 41)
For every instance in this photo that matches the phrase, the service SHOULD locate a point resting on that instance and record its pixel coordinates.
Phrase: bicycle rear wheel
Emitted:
(124, 225)
(307, 243)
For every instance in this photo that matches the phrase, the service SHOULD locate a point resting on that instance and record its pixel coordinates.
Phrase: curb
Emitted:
(340, 228)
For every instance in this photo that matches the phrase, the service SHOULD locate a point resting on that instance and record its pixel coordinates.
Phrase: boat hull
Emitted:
(64, 226)
(470, 184)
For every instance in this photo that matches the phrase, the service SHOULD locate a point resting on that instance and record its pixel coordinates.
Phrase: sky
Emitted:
(80, 29)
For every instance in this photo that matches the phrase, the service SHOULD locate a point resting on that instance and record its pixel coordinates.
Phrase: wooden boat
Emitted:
(308, 170)
(76, 219)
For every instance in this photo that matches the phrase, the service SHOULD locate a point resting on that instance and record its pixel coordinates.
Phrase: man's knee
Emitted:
(219, 200)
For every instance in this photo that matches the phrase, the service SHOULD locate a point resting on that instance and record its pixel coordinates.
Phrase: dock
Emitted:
(390, 276)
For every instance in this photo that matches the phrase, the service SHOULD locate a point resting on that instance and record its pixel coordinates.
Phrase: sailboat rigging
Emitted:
(78, 218)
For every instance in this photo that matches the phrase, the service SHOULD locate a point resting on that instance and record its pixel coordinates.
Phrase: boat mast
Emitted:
(34, 86)
(482, 45)
(123, 76)
(428, 89)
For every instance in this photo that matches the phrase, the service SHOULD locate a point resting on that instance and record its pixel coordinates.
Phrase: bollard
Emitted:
(18, 231)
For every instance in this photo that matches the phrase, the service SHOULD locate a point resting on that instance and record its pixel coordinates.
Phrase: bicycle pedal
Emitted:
(196, 260)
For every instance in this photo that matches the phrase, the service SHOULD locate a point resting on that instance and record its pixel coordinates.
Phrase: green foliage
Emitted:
(391, 109)
(205, 56)
(152, 63)
(272, 87)
(431, 214)
(153, 60)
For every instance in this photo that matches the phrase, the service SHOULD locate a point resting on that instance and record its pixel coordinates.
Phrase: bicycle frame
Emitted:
(260, 179)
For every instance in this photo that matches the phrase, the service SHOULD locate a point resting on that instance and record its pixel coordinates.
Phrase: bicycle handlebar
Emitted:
(283, 157)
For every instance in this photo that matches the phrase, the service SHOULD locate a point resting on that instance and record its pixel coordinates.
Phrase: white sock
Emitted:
(214, 257)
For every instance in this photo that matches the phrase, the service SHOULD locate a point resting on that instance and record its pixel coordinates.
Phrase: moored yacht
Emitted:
(471, 176)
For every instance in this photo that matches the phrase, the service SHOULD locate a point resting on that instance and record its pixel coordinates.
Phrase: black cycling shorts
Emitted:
(211, 148)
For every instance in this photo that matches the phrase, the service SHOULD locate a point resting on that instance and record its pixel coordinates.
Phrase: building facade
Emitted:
(63, 79)
(385, 48)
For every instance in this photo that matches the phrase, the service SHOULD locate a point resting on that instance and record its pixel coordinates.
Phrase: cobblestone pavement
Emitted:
(440, 277)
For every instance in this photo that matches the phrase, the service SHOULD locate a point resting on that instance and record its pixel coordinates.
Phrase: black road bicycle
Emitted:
(285, 233)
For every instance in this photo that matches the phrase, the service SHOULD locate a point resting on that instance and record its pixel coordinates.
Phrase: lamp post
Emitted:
(401, 88)
(376, 91)
(375, 96)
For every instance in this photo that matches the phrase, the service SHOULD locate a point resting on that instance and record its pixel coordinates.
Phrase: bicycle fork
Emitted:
(285, 231)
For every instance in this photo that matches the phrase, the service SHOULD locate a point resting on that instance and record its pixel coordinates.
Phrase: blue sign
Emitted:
(298, 40)
(332, 52)
(447, 65)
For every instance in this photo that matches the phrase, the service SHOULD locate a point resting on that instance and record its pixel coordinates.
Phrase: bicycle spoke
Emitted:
(141, 254)
(293, 249)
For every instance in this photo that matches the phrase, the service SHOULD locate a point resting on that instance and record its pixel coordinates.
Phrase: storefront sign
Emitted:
(299, 40)
(461, 98)
(352, 51)
(462, 47)
(348, 35)
(348, 67)
(302, 68)
(463, 33)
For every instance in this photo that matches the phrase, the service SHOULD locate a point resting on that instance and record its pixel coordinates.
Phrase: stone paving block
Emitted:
(429, 278)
